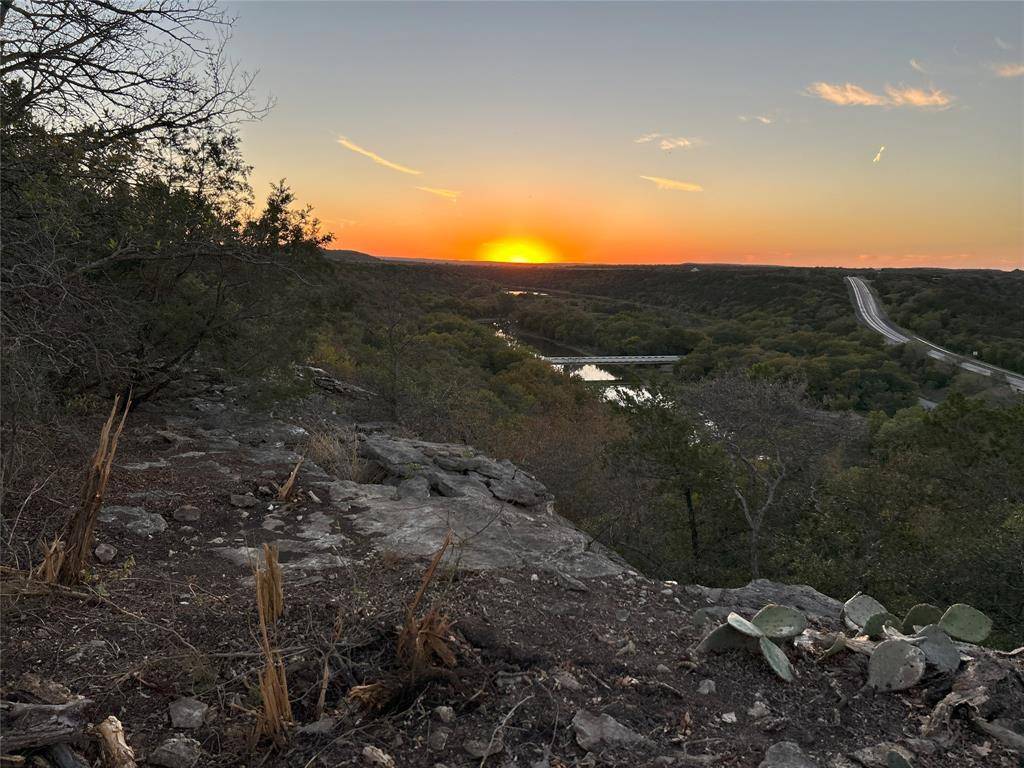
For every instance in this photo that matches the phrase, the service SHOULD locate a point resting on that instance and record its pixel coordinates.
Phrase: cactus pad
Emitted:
(740, 624)
(938, 649)
(921, 615)
(776, 659)
(895, 666)
(780, 622)
(724, 638)
(966, 623)
(874, 626)
(859, 608)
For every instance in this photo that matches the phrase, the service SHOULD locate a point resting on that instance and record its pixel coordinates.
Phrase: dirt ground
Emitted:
(169, 617)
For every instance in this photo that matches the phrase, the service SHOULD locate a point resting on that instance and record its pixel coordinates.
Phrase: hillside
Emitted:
(341, 256)
(550, 651)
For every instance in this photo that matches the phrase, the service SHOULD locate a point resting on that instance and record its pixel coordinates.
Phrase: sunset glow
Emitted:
(633, 133)
(517, 251)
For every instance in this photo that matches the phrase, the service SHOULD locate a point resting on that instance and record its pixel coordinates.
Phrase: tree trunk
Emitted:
(755, 552)
(692, 513)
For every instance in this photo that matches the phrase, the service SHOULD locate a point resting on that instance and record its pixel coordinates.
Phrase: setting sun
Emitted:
(517, 250)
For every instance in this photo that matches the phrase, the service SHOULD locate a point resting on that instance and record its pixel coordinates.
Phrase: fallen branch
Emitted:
(116, 752)
(29, 726)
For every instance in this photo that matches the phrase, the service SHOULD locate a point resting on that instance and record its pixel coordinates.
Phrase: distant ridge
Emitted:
(350, 257)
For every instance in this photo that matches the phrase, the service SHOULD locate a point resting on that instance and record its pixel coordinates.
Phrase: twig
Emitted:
(501, 725)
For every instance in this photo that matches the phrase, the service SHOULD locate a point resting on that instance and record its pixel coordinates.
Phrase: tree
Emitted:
(117, 69)
(771, 436)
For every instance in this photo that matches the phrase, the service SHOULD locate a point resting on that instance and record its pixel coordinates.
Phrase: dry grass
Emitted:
(422, 642)
(276, 715)
(338, 453)
(285, 491)
(78, 534)
(48, 570)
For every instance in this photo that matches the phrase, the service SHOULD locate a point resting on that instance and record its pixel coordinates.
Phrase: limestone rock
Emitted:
(594, 731)
(135, 520)
(706, 687)
(243, 500)
(176, 752)
(761, 592)
(186, 513)
(786, 754)
(187, 713)
(105, 553)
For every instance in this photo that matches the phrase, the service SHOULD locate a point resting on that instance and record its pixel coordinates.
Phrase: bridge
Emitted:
(615, 360)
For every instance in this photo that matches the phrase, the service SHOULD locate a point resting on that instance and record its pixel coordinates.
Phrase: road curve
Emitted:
(869, 311)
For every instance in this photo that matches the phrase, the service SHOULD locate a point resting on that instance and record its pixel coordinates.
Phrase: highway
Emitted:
(869, 311)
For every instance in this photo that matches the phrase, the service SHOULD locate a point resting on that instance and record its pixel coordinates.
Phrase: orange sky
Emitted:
(806, 134)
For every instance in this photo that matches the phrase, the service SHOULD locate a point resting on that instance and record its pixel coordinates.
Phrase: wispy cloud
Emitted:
(447, 194)
(672, 184)
(762, 119)
(1008, 70)
(668, 142)
(918, 66)
(847, 94)
(878, 156)
(351, 145)
(917, 97)
(1000, 43)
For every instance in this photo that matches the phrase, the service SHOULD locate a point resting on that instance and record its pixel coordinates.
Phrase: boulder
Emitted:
(760, 592)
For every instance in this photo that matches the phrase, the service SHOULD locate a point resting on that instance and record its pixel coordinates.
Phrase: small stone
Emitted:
(878, 755)
(592, 731)
(706, 687)
(438, 738)
(444, 714)
(759, 710)
(922, 746)
(105, 553)
(378, 757)
(481, 749)
(567, 681)
(622, 615)
(187, 713)
(321, 727)
(786, 754)
(534, 577)
(667, 592)
(186, 513)
(662, 669)
(176, 752)
(243, 500)
(729, 717)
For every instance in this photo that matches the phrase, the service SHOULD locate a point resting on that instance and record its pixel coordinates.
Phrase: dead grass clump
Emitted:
(78, 534)
(276, 715)
(338, 453)
(48, 570)
(285, 491)
(423, 642)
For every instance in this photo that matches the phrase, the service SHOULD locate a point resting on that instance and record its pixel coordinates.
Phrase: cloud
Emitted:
(447, 194)
(916, 97)
(762, 119)
(672, 184)
(351, 145)
(1000, 43)
(878, 157)
(668, 142)
(848, 94)
(1008, 70)
(845, 94)
(918, 66)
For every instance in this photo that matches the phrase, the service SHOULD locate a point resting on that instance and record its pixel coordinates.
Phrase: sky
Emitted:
(829, 134)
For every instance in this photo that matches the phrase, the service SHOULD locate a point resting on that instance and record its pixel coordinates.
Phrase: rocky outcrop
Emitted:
(451, 470)
(761, 592)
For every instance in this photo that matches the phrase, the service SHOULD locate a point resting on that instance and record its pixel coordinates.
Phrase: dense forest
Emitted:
(787, 443)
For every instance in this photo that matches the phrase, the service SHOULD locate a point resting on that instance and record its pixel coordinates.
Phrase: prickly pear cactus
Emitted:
(874, 626)
(895, 666)
(780, 622)
(938, 649)
(740, 624)
(776, 659)
(966, 623)
(921, 615)
(859, 608)
(724, 638)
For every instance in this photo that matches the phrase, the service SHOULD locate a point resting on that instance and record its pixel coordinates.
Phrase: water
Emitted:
(593, 373)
